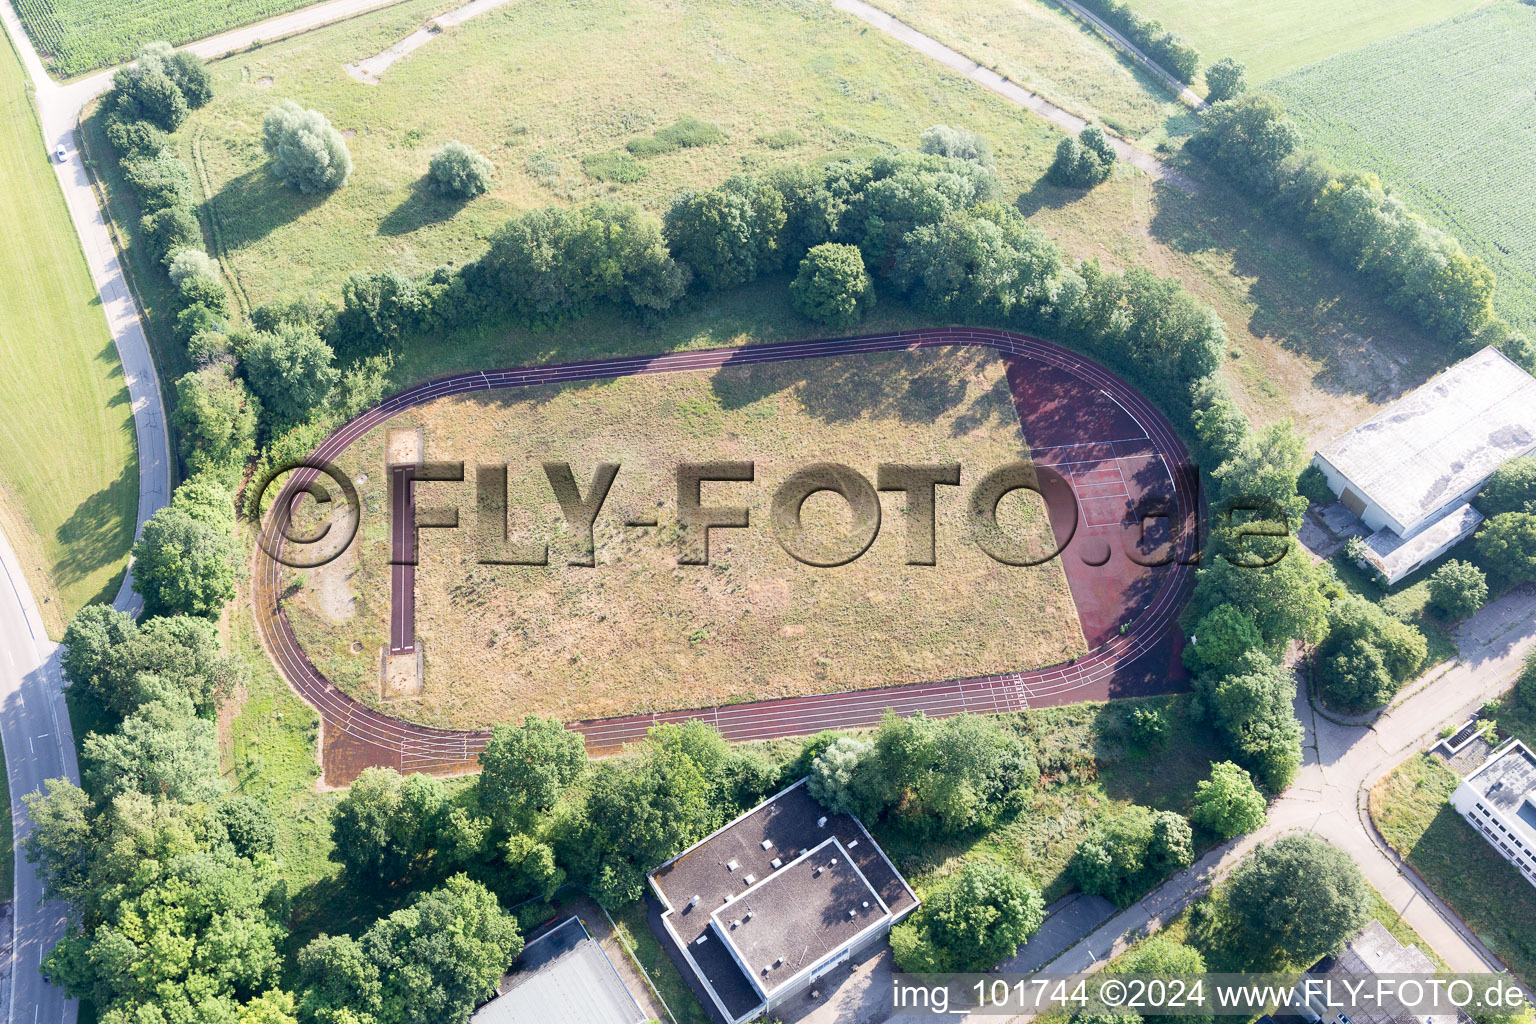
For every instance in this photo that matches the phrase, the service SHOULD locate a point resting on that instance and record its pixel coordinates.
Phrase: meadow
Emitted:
(639, 633)
(1277, 36)
(68, 467)
(76, 36)
(1443, 115)
(786, 81)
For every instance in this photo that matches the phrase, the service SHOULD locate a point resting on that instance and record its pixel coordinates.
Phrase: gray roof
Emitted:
(1506, 780)
(562, 977)
(1442, 439)
(1374, 951)
(1393, 555)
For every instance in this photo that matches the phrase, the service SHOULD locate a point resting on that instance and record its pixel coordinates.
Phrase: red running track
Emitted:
(1130, 621)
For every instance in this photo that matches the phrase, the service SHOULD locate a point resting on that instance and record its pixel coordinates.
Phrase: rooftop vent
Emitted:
(834, 862)
(866, 904)
(821, 822)
(776, 863)
(852, 912)
(750, 879)
(852, 843)
(750, 912)
(767, 844)
(693, 902)
(736, 923)
(701, 939)
(731, 865)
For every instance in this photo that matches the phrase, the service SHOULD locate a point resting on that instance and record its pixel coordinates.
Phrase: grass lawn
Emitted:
(1041, 46)
(1411, 808)
(503, 641)
(1447, 128)
(76, 36)
(786, 81)
(674, 990)
(68, 469)
(1276, 36)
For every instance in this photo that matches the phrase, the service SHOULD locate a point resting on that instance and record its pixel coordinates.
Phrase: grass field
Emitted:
(1447, 117)
(1051, 52)
(787, 81)
(502, 641)
(1276, 36)
(1411, 808)
(76, 36)
(68, 470)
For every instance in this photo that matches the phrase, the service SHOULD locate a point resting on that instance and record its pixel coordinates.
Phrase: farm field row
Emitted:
(68, 468)
(1444, 115)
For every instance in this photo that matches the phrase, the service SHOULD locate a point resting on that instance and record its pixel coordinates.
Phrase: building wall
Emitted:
(1371, 514)
(1503, 835)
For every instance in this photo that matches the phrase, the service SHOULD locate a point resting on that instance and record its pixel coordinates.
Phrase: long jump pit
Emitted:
(823, 602)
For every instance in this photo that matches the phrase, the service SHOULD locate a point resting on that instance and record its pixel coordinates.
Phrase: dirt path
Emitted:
(1012, 91)
(368, 71)
(1186, 95)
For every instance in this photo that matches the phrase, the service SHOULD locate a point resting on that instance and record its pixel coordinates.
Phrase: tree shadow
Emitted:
(97, 533)
(253, 205)
(1042, 195)
(422, 208)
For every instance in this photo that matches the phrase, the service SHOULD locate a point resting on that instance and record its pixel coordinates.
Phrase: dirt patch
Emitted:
(264, 82)
(402, 676)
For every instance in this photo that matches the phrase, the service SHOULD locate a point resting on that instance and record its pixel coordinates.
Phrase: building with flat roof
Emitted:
(1371, 953)
(562, 977)
(1409, 471)
(1499, 799)
(773, 901)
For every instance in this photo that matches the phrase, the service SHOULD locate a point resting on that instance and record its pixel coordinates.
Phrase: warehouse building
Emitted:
(1410, 471)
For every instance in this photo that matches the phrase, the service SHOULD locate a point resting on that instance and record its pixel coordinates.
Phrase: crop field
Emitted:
(638, 632)
(76, 36)
(68, 472)
(1446, 116)
(1277, 36)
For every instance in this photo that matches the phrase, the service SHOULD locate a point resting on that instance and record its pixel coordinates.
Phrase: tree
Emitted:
(834, 780)
(145, 92)
(975, 920)
(182, 67)
(169, 230)
(386, 825)
(251, 828)
(182, 566)
(1225, 79)
(525, 769)
(290, 369)
(159, 181)
(1367, 656)
(191, 262)
(1295, 900)
(1222, 636)
(1251, 704)
(1085, 161)
(307, 153)
(1284, 599)
(1512, 488)
(1506, 545)
(215, 418)
(895, 193)
(430, 963)
(1228, 804)
(458, 172)
(162, 750)
(1127, 852)
(106, 653)
(983, 260)
(958, 143)
(1162, 956)
(1247, 138)
(1458, 589)
(832, 287)
(727, 235)
(1262, 472)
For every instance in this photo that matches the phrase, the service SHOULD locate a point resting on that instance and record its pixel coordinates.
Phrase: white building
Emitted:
(1409, 471)
(1499, 799)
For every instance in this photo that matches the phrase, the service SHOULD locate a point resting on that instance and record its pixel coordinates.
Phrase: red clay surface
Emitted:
(1122, 459)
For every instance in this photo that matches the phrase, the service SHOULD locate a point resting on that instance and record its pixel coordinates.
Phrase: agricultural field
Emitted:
(502, 641)
(1278, 36)
(76, 36)
(786, 81)
(1446, 126)
(1047, 50)
(68, 470)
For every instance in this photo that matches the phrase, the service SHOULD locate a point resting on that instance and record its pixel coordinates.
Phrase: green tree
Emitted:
(1251, 703)
(972, 922)
(727, 235)
(290, 369)
(107, 655)
(895, 193)
(832, 287)
(182, 566)
(1295, 900)
(160, 181)
(169, 230)
(1223, 635)
(215, 418)
(145, 92)
(1228, 804)
(525, 769)
(385, 826)
(1458, 589)
(162, 750)
(1512, 488)
(1284, 600)
(957, 143)
(984, 260)
(1506, 545)
(307, 153)
(1225, 79)
(1125, 853)
(1263, 469)
(458, 172)
(1161, 955)
(834, 781)
(1084, 161)
(1367, 656)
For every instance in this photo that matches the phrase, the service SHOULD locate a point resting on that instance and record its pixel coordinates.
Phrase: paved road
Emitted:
(989, 79)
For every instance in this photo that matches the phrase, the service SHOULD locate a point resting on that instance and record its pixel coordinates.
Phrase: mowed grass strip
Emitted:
(640, 633)
(1412, 809)
(1444, 115)
(1278, 35)
(68, 467)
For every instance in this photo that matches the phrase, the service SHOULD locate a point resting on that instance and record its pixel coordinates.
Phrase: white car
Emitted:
(60, 155)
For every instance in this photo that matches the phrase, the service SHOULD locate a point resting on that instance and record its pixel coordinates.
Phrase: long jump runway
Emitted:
(1121, 456)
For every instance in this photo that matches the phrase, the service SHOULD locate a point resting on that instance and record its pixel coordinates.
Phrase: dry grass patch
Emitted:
(639, 633)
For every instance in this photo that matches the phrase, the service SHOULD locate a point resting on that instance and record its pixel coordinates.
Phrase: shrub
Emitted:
(832, 287)
(160, 181)
(1313, 485)
(1506, 546)
(458, 172)
(189, 263)
(1083, 162)
(685, 133)
(1458, 589)
(307, 153)
(169, 230)
(1228, 804)
(291, 370)
(959, 143)
(613, 165)
(974, 921)
(135, 139)
(215, 418)
(833, 780)
(1225, 79)
(1126, 853)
